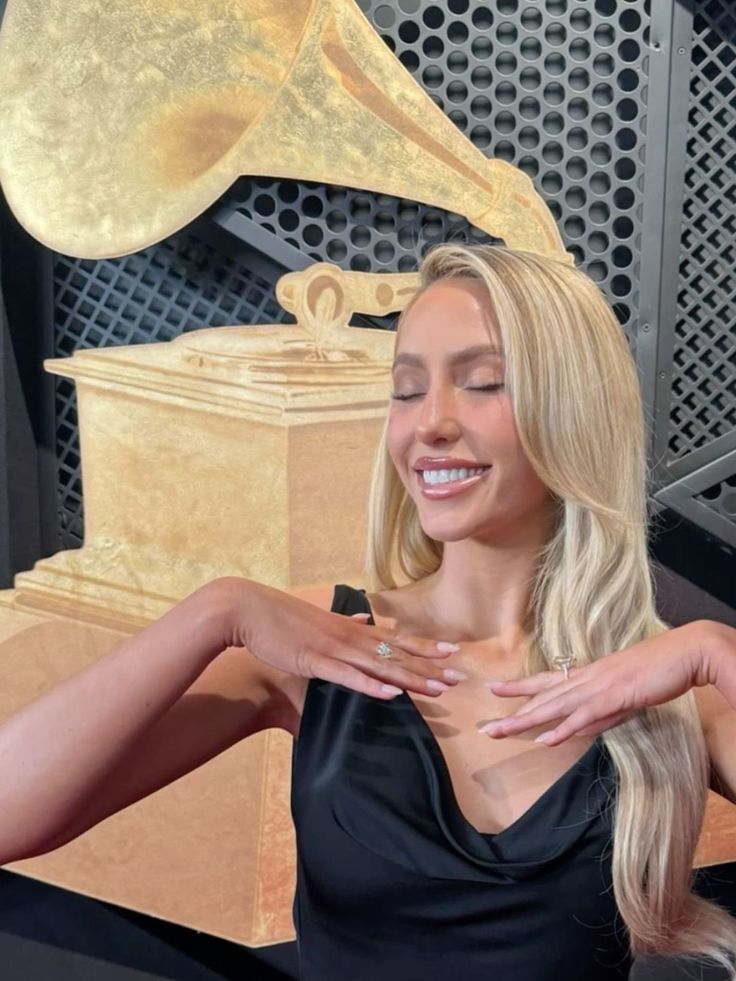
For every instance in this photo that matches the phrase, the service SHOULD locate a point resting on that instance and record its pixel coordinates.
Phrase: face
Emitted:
(449, 411)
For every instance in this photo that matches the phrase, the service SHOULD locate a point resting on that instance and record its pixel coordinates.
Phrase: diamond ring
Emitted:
(563, 662)
(383, 650)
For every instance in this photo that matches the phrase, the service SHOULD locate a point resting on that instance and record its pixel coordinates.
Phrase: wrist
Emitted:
(223, 602)
(718, 649)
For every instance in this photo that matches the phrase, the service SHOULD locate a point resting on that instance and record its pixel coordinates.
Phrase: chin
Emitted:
(451, 532)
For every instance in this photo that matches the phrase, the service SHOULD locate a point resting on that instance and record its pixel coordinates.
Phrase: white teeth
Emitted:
(446, 476)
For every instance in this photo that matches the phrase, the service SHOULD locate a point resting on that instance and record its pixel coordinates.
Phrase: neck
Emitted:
(482, 589)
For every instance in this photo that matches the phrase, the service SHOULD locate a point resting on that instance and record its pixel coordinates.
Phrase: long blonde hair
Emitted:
(575, 395)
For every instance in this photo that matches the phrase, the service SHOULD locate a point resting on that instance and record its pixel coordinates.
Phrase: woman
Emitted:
(509, 497)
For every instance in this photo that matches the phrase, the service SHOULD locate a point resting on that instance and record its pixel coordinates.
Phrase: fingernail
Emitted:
(544, 737)
(437, 685)
(446, 648)
(452, 675)
(493, 724)
(391, 689)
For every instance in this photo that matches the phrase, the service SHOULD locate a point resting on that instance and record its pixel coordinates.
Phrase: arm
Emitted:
(58, 752)
(170, 698)
(700, 655)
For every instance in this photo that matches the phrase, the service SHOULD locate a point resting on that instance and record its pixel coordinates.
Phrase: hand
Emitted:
(598, 696)
(300, 638)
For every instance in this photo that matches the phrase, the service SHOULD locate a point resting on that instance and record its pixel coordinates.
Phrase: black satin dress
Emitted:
(394, 884)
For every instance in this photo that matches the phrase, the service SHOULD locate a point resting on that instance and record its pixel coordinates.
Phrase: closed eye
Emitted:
(471, 388)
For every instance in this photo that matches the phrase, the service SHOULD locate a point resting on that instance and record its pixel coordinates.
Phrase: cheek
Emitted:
(397, 434)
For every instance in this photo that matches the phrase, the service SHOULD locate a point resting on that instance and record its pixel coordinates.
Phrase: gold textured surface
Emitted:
(240, 432)
(209, 455)
(213, 851)
(123, 121)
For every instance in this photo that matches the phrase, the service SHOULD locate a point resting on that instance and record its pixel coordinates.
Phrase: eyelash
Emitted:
(477, 388)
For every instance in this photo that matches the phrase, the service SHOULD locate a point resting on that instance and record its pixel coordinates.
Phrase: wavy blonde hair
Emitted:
(575, 395)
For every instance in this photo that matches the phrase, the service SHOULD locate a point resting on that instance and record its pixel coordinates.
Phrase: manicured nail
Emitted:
(436, 685)
(452, 675)
(391, 689)
(544, 737)
(491, 726)
(493, 683)
(446, 648)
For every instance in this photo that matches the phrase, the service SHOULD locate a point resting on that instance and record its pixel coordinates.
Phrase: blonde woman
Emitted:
(500, 772)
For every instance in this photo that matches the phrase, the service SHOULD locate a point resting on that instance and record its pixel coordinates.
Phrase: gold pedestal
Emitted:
(214, 851)
(202, 458)
(233, 451)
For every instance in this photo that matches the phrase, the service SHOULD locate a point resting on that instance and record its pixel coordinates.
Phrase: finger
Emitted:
(556, 708)
(388, 672)
(556, 691)
(423, 647)
(527, 686)
(434, 682)
(401, 655)
(342, 673)
(418, 646)
(408, 673)
(584, 720)
(602, 724)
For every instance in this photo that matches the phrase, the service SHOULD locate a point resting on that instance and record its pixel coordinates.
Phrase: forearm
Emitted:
(56, 751)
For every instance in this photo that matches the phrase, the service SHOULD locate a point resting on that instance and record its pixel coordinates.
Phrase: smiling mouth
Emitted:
(446, 478)
(448, 488)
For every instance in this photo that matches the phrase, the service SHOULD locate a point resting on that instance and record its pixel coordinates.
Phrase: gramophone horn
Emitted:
(123, 121)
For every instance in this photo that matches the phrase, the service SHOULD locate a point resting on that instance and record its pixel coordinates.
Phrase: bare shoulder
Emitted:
(274, 698)
(390, 607)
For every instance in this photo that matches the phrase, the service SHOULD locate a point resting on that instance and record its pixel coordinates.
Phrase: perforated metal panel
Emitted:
(703, 404)
(558, 88)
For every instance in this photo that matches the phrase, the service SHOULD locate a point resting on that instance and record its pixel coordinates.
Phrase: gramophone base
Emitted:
(213, 851)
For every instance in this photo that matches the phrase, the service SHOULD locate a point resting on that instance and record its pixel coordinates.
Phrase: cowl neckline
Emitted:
(567, 811)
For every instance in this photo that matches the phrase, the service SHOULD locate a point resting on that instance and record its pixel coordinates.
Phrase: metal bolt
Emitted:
(645, 326)
(663, 374)
(681, 51)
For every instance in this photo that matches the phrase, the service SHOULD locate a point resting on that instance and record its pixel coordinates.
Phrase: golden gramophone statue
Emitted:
(121, 122)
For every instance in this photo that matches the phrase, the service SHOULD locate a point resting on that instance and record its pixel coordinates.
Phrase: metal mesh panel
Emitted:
(558, 88)
(155, 295)
(703, 403)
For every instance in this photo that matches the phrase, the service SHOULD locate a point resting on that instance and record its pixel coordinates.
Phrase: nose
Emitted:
(438, 417)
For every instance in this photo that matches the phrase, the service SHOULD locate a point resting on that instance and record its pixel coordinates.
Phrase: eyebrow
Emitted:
(457, 357)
